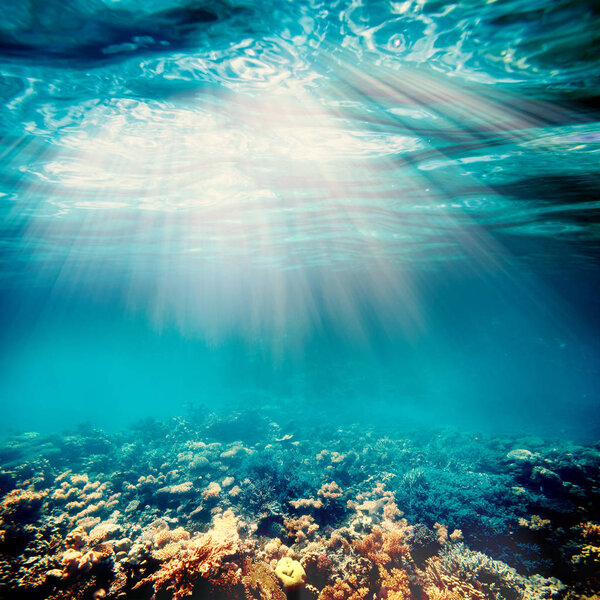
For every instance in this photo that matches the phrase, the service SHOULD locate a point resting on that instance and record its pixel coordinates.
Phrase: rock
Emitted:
(545, 477)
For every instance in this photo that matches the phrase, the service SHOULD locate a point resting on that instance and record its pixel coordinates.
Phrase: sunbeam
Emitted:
(272, 208)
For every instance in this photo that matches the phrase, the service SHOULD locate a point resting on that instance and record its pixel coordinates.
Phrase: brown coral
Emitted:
(21, 505)
(382, 547)
(260, 583)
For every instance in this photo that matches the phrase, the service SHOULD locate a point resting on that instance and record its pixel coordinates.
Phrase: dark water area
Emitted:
(299, 300)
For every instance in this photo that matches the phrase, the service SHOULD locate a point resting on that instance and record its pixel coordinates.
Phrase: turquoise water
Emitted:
(378, 212)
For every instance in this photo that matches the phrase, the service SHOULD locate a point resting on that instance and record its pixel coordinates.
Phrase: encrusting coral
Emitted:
(259, 582)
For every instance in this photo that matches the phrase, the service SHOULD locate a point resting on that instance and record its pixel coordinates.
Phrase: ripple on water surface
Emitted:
(318, 131)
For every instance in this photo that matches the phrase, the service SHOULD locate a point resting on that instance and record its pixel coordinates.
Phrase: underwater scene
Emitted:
(299, 300)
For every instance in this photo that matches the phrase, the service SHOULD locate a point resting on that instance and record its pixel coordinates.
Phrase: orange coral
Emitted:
(302, 528)
(306, 503)
(394, 584)
(21, 505)
(344, 590)
(338, 541)
(77, 538)
(74, 561)
(201, 558)
(382, 548)
(330, 490)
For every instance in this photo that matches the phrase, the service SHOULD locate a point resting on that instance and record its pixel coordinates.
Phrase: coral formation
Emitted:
(290, 573)
(259, 582)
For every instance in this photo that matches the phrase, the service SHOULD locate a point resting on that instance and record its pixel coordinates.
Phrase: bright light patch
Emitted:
(253, 211)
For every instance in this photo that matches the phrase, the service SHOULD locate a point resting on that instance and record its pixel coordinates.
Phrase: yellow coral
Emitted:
(588, 553)
(290, 573)
(591, 531)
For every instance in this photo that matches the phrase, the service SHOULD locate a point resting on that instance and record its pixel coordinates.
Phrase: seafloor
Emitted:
(207, 506)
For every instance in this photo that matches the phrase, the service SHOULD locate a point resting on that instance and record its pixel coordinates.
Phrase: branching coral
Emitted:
(448, 586)
(150, 512)
(535, 523)
(588, 554)
(306, 503)
(394, 584)
(382, 547)
(302, 528)
(201, 558)
(344, 590)
(473, 575)
(104, 530)
(75, 562)
(377, 506)
(591, 532)
(330, 490)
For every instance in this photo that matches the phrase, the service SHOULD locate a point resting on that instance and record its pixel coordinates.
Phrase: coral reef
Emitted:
(226, 508)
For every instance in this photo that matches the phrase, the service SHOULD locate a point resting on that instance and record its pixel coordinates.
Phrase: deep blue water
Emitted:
(382, 211)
